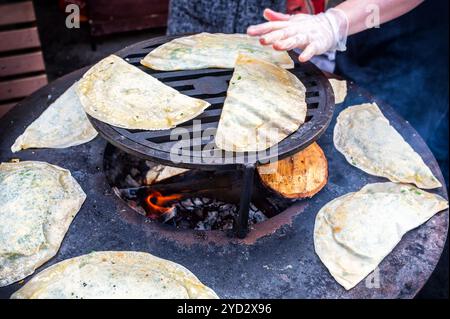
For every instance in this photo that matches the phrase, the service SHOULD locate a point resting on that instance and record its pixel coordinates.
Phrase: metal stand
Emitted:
(241, 225)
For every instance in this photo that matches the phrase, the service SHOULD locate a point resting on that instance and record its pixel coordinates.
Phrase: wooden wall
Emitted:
(22, 68)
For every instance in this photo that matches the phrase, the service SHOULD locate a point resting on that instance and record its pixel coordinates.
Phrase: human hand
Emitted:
(315, 34)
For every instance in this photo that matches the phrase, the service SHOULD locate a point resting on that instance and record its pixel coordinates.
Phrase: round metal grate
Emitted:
(211, 85)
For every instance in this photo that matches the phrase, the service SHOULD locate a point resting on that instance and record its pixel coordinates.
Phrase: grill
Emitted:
(211, 85)
(275, 260)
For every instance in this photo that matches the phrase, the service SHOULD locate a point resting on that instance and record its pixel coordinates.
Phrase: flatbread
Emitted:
(367, 140)
(38, 201)
(63, 124)
(216, 50)
(264, 104)
(353, 233)
(115, 92)
(339, 90)
(115, 275)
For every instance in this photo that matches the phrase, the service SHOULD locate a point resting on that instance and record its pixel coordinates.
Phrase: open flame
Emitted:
(159, 204)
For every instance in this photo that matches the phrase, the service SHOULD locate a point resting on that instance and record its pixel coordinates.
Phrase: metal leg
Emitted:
(241, 226)
(93, 44)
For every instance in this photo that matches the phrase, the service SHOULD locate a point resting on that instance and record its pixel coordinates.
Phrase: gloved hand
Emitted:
(315, 34)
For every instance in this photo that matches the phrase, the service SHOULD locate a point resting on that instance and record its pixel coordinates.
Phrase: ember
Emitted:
(199, 213)
(202, 213)
(158, 204)
(197, 200)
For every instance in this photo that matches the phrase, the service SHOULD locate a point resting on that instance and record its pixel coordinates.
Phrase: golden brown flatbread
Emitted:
(211, 50)
(264, 104)
(38, 201)
(339, 89)
(355, 232)
(115, 275)
(115, 92)
(367, 140)
(63, 124)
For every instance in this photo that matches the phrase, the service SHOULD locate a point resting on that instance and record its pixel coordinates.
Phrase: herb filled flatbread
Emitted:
(264, 104)
(115, 275)
(355, 232)
(63, 124)
(115, 92)
(211, 50)
(367, 140)
(38, 201)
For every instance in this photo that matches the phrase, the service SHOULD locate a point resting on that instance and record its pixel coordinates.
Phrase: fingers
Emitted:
(271, 15)
(286, 44)
(297, 41)
(277, 35)
(282, 35)
(266, 27)
(308, 53)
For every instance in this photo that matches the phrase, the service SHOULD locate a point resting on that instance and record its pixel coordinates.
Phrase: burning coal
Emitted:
(159, 205)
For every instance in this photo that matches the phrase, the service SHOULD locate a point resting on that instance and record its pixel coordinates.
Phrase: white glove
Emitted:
(315, 34)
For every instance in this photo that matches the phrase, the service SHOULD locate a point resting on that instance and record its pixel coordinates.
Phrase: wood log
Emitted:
(298, 176)
(159, 173)
(193, 183)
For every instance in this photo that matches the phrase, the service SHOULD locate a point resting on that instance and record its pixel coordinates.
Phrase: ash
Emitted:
(210, 214)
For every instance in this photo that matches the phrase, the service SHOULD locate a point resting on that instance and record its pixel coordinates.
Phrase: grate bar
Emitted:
(211, 85)
(189, 74)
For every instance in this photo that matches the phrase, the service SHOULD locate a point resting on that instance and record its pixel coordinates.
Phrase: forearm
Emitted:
(359, 13)
(317, 34)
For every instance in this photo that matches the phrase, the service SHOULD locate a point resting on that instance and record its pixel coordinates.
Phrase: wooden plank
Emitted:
(19, 39)
(22, 63)
(12, 89)
(4, 108)
(17, 13)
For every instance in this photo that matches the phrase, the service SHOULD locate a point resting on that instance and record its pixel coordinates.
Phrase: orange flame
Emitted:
(159, 204)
